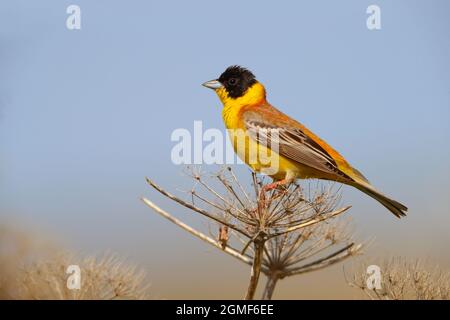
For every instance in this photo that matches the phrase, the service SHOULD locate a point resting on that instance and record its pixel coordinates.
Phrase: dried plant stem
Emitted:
(256, 268)
(331, 259)
(270, 286)
(196, 233)
(311, 221)
(274, 275)
(199, 210)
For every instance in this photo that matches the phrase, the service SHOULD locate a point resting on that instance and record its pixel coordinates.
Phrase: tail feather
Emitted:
(395, 207)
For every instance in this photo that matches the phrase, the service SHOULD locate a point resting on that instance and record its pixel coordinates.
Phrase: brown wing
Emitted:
(292, 143)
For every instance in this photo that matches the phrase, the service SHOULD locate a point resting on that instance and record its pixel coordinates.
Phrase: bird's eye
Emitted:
(232, 81)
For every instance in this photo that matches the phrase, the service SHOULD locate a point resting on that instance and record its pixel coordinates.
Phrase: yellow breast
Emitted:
(258, 157)
(232, 107)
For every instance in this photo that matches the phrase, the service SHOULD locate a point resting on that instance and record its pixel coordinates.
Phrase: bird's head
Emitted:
(237, 85)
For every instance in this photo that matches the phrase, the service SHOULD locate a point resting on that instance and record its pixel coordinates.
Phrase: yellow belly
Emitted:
(262, 159)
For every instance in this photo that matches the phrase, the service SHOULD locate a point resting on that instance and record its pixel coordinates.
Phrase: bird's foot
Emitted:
(281, 184)
(263, 201)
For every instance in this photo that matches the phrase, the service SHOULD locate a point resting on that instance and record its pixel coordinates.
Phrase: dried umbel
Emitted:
(401, 279)
(31, 271)
(105, 278)
(283, 232)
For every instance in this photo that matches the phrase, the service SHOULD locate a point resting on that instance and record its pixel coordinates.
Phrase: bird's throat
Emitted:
(255, 95)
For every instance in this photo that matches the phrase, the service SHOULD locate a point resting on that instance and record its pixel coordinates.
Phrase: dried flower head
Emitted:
(401, 279)
(285, 232)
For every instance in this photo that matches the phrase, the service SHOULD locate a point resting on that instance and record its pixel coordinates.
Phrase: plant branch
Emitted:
(271, 283)
(196, 209)
(326, 261)
(310, 222)
(196, 233)
(256, 269)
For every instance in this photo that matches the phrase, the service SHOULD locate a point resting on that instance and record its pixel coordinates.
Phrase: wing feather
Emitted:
(293, 144)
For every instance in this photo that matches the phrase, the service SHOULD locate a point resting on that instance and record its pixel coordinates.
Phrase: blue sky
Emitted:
(85, 115)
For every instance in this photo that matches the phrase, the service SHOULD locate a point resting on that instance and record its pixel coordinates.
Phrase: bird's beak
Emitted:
(213, 84)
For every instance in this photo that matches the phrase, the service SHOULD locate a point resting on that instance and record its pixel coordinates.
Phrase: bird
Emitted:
(301, 154)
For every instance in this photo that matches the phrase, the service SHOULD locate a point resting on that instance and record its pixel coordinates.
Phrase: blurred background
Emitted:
(86, 114)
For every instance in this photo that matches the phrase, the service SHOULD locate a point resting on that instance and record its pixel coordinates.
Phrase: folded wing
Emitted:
(292, 143)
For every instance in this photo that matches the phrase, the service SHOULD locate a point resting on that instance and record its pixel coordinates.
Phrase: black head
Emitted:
(236, 81)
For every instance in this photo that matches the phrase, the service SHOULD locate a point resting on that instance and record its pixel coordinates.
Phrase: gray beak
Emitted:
(213, 84)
